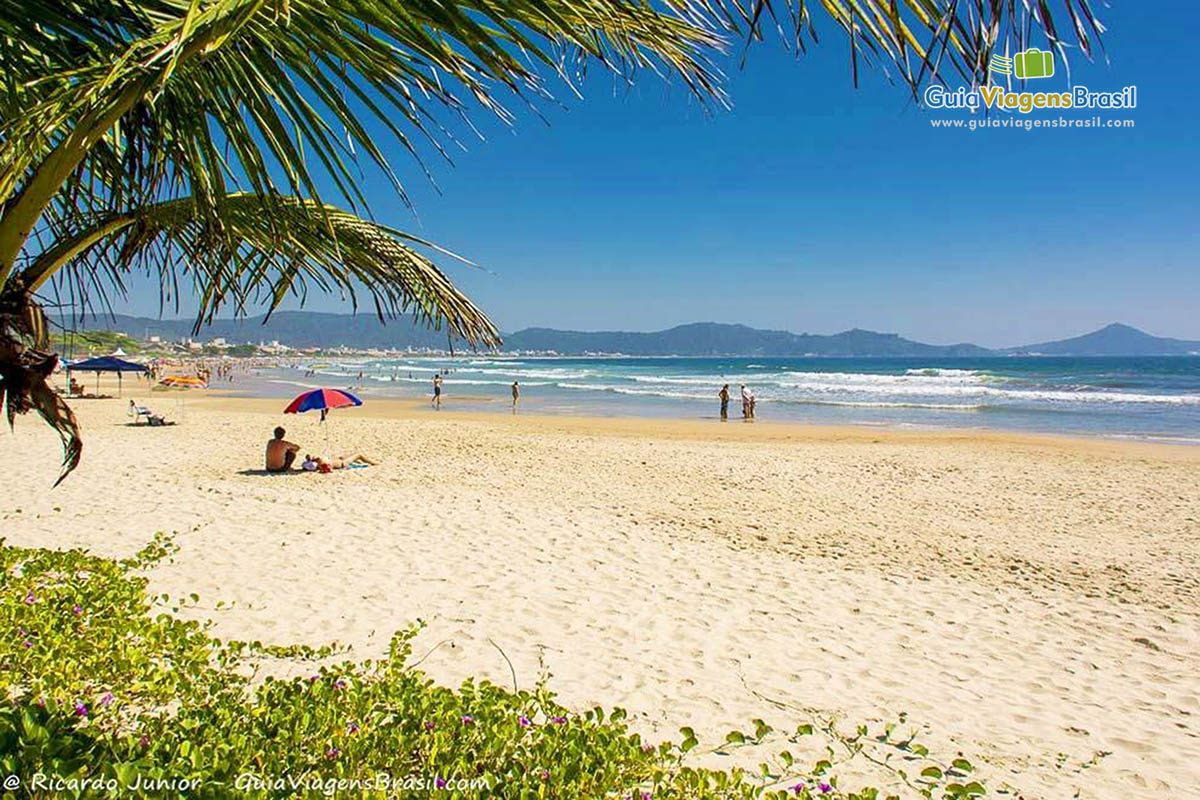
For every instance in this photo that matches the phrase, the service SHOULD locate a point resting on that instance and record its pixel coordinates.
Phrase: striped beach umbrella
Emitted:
(322, 400)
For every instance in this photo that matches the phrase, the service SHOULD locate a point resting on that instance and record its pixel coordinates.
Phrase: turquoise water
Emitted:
(1137, 397)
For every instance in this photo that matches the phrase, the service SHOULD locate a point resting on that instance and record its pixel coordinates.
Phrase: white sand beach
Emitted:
(1030, 602)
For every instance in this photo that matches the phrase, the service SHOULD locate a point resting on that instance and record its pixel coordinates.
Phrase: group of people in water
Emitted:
(748, 402)
(438, 380)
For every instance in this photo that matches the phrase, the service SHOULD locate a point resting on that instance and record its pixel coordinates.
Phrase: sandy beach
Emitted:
(1030, 602)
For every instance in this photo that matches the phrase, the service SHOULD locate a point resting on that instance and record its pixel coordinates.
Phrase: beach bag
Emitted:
(325, 468)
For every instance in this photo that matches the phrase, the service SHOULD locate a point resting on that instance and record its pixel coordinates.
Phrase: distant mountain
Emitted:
(1113, 340)
(711, 338)
(363, 331)
(292, 328)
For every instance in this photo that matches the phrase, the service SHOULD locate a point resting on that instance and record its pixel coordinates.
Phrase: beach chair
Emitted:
(137, 412)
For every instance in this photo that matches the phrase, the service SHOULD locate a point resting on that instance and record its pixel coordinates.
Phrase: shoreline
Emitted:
(735, 430)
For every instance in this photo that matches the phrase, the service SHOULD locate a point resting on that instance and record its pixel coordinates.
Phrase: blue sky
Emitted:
(813, 206)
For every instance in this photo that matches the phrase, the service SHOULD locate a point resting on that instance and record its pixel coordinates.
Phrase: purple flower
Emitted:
(798, 788)
(525, 723)
(143, 741)
(27, 644)
(439, 783)
(81, 710)
(339, 684)
(825, 788)
(647, 748)
(545, 774)
(332, 752)
(77, 610)
(559, 720)
(468, 719)
(352, 728)
(30, 598)
(41, 701)
(106, 699)
(429, 726)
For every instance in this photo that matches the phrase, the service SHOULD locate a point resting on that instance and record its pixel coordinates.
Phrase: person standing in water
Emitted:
(437, 390)
(516, 391)
(724, 395)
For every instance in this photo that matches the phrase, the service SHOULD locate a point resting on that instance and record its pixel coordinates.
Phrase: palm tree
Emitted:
(188, 137)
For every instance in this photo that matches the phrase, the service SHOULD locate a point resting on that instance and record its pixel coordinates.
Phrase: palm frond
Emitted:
(260, 252)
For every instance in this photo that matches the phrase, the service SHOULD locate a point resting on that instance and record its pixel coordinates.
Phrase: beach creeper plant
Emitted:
(197, 140)
(103, 693)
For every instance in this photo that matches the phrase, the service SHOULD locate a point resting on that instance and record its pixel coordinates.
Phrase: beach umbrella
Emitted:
(322, 400)
(182, 382)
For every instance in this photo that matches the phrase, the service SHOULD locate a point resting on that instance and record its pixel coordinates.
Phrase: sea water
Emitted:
(1157, 398)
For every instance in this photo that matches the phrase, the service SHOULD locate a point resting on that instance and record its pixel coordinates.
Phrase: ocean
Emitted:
(1147, 398)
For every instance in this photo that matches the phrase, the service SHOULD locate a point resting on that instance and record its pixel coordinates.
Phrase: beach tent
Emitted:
(105, 364)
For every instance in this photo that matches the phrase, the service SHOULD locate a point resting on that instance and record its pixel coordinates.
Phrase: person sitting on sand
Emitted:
(280, 453)
(318, 464)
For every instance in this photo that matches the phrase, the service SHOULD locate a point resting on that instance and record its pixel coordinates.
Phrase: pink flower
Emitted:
(81, 710)
(545, 774)
(339, 684)
(106, 699)
(352, 728)
(798, 788)
(559, 720)
(77, 610)
(439, 783)
(332, 752)
(825, 788)
(30, 598)
(468, 719)
(429, 726)
(525, 723)
(143, 741)
(27, 644)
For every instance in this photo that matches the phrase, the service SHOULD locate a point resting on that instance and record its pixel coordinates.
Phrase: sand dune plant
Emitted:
(107, 694)
(148, 133)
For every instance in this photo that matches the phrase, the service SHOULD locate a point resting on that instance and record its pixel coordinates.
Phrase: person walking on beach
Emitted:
(724, 395)
(516, 391)
(437, 390)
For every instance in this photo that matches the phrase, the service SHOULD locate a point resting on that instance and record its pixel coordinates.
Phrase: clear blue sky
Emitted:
(812, 206)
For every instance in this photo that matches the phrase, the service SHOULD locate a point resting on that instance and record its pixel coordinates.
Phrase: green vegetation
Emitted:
(109, 690)
(99, 343)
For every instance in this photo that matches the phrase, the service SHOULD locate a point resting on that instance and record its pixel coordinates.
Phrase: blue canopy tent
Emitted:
(105, 364)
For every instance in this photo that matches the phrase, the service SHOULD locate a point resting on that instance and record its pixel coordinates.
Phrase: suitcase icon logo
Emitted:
(1034, 63)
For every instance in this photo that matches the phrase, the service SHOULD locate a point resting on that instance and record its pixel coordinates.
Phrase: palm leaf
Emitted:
(262, 251)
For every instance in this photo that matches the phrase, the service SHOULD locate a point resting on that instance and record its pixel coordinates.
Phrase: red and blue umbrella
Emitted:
(322, 400)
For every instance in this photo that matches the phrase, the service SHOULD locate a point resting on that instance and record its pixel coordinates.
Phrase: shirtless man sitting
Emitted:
(280, 453)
